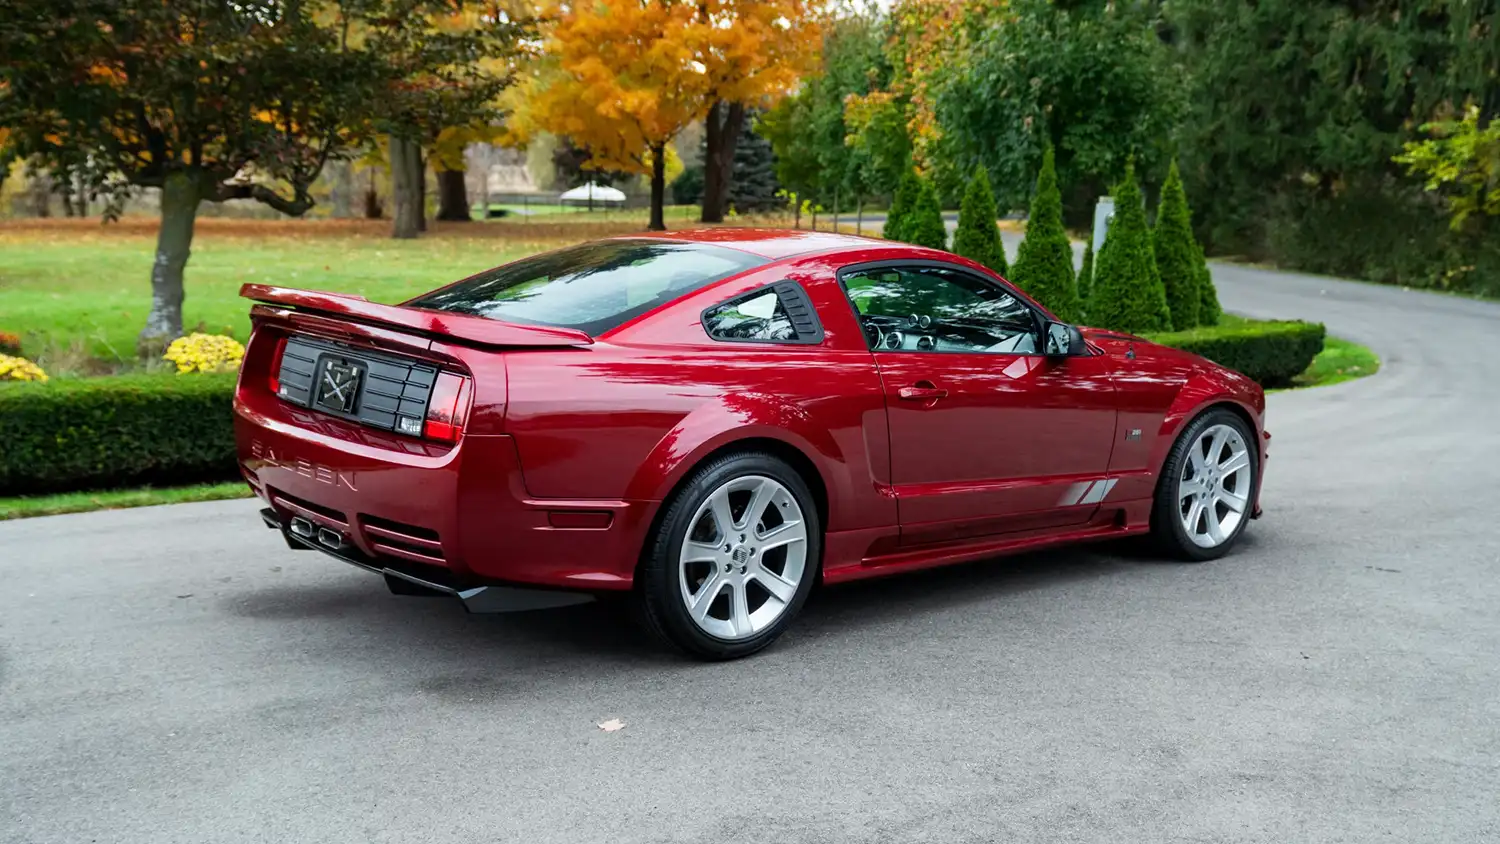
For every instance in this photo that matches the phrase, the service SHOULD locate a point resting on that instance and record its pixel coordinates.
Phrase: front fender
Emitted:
(1206, 388)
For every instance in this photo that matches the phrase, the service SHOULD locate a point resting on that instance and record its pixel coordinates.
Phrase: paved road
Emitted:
(175, 675)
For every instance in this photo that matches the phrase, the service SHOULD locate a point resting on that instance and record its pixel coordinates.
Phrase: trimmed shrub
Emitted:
(1044, 264)
(978, 235)
(1208, 302)
(1269, 353)
(924, 226)
(1127, 290)
(1177, 253)
(901, 205)
(95, 433)
(1086, 277)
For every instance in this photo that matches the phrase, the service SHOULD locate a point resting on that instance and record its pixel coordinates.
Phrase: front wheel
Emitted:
(1207, 488)
(734, 558)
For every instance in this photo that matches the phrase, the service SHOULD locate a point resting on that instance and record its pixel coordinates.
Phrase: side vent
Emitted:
(799, 310)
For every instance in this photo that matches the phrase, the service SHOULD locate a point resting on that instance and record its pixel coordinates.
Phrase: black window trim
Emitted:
(791, 295)
(1038, 318)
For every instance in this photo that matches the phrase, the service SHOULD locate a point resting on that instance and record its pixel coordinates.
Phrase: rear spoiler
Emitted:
(465, 327)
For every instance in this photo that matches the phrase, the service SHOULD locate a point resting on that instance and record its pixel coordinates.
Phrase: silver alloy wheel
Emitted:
(1214, 490)
(743, 558)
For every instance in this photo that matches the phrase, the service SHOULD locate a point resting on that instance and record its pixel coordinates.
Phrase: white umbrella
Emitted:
(593, 193)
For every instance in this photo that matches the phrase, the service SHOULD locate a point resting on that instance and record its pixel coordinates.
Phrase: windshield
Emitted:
(592, 287)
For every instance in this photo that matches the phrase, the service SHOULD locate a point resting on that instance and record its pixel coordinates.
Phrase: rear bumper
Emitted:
(423, 581)
(457, 518)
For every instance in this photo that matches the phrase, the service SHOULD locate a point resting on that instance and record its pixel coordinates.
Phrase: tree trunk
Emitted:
(796, 210)
(859, 215)
(658, 187)
(453, 196)
(39, 186)
(374, 208)
(421, 164)
(180, 194)
(81, 195)
(404, 188)
(342, 189)
(722, 130)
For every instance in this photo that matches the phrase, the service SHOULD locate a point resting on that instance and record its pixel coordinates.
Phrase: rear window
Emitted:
(592, 287)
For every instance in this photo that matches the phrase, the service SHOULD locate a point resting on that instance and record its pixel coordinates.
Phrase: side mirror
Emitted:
(1063, 340)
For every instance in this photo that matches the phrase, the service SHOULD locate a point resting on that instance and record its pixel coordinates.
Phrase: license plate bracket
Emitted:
(338, 384)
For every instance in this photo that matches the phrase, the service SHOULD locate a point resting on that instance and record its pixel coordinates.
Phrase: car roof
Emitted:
(772, 244)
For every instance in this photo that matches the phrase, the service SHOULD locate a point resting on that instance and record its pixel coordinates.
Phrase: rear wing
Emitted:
(463, 327)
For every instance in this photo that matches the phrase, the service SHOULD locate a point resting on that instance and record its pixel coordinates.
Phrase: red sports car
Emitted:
(712, 422)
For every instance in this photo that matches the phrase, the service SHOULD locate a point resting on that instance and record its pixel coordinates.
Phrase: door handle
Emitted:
(922, 391)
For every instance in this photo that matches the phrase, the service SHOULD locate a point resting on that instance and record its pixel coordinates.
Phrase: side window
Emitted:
(777, 313)
(934, 309)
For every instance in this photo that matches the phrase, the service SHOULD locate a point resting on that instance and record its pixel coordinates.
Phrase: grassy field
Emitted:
(78, 292)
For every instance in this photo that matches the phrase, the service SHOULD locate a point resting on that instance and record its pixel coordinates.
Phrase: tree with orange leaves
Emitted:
(621, 78)
(756, 52)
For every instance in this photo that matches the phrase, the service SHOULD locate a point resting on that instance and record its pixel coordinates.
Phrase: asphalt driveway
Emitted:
(176, 675)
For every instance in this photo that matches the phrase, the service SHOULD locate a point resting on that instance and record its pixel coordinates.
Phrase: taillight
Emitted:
(448, 408)
(276, 352)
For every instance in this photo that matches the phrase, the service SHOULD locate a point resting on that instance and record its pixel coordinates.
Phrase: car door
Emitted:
(987, 435)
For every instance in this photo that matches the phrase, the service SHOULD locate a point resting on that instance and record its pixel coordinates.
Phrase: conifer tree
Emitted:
(1044, 264)
(1127, 289)
(978, 234)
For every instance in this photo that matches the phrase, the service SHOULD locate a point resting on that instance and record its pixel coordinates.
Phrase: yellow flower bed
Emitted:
(205, 353)
(20, 369)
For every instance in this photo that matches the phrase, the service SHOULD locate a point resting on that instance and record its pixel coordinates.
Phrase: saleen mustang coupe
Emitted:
(711, 422)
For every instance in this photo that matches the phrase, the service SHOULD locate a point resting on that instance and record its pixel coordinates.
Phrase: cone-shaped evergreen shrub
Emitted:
(1044, 265)
(978, 235)
(1208, 302)
(1128, 294)
(1086, 278)
(1177, 253)
(924, 225)
(901, 205)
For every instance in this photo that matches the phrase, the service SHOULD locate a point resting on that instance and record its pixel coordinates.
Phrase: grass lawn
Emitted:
(1340, 360)
(76, 290)
(80, 502)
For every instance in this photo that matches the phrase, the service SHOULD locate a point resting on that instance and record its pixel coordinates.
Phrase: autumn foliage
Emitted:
(621, 78)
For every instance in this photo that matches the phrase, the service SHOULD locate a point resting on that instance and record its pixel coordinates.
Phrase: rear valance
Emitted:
(464, 327)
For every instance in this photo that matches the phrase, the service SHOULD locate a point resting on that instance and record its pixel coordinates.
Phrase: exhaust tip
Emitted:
(330, 539)
(303, 528)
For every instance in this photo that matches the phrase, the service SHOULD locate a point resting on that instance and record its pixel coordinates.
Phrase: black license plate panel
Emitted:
(390, 387)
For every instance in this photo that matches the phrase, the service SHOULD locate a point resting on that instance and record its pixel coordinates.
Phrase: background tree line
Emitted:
(1339, 137)
(1342, 137)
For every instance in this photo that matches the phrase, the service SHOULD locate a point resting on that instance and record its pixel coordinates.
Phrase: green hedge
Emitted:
(105, 432)
(1270, 353)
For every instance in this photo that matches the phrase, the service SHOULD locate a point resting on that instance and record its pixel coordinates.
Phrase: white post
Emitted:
(1104, 212)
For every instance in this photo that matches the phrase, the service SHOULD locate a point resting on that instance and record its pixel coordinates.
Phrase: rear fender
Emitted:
(736, 418)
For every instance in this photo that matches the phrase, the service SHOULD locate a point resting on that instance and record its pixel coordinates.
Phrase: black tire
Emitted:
(1167, 528)
(658, 599)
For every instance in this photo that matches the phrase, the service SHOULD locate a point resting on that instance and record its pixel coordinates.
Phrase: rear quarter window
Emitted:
(592, 287)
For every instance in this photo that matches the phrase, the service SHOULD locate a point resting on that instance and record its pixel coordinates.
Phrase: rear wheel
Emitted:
(734, 558)
(1207, 487)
